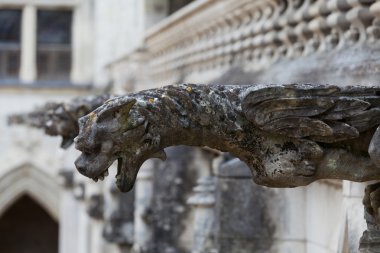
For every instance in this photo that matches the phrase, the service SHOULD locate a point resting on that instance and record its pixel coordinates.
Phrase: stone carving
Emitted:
(289, 135)
(95, 208)
(370, 241)
(66, 178)
(60, 118)
(118, 227)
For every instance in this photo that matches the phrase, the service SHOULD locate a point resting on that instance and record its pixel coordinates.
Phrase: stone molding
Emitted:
(26, 179)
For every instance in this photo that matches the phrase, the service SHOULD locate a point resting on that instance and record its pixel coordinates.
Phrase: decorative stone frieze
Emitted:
(289, 135)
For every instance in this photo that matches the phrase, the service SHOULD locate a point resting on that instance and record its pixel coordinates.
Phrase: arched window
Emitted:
(27, 227)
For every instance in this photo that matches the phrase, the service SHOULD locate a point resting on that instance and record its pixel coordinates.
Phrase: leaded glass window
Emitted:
(10, 26)
(54, 44)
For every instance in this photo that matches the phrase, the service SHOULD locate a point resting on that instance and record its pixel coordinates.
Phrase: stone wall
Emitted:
(190, 203)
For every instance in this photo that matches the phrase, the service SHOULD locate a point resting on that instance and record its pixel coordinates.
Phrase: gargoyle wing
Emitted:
(320, 113)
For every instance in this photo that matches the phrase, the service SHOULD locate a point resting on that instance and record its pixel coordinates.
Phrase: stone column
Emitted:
(68, 215)
(244, 220)
(81, 44)
(84, 230)
(97, 244)
(28, 70)
(76, 49)
(203, 201)
(119, 223)
(143, 235)
(353, 216)
(155, 11)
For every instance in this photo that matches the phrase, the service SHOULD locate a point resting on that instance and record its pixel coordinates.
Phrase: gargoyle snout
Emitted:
(93, 165)
(82, 165)
(80, 143)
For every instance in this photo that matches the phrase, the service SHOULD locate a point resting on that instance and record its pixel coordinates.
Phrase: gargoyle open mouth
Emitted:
(126, 174)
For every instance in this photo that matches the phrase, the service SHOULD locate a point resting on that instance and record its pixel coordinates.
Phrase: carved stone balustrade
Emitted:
(210, 37)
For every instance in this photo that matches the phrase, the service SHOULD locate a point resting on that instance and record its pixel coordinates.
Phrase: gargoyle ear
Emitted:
(66, 142)
(115, 106)
(82, 110)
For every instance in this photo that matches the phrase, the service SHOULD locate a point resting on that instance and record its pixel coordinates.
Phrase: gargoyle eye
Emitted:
(87, 149)
(106, 147)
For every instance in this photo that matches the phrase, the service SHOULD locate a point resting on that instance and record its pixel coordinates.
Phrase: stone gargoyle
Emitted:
(289, 135)
(60, 119)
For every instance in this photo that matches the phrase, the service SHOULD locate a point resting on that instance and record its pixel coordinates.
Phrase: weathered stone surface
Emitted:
(170, 214)
(118, 227)
(370, 241)
(237, 232)
(298, 151)
(95, 207)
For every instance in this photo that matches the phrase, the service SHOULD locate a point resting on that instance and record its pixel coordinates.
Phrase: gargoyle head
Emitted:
(62, 120)
(116, 131)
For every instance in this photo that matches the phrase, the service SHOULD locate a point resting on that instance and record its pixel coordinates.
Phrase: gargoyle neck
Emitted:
(196, 115)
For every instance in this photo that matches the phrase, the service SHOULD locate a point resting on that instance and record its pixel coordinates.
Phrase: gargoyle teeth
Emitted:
(101, 177)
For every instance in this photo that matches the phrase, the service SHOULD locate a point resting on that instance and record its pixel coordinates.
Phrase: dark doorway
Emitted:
(27, 228)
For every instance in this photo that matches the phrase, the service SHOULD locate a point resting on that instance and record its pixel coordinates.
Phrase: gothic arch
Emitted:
(26, 179)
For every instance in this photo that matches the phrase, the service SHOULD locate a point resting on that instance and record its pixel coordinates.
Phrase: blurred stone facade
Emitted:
(198, 200)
